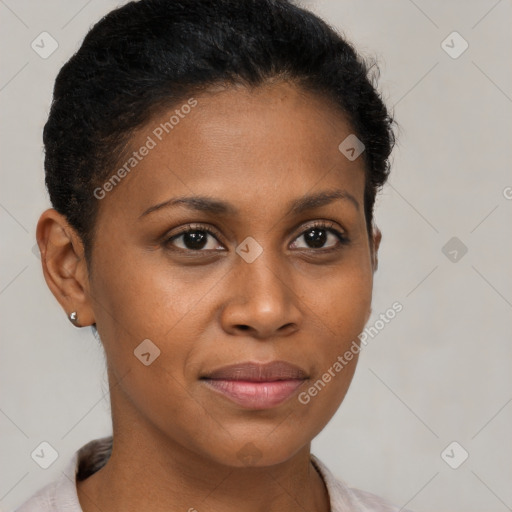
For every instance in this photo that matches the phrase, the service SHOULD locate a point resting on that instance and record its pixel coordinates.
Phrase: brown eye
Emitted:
(197, 238)
(320, 234)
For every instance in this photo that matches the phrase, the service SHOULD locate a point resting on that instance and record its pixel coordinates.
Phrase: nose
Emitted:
(261, 301)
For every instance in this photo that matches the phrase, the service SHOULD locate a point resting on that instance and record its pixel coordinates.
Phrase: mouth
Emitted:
(254, 385)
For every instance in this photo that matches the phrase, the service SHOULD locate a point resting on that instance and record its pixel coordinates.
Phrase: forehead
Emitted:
(251, 146)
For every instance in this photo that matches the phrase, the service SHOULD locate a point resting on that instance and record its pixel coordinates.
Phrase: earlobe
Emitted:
(64, 265)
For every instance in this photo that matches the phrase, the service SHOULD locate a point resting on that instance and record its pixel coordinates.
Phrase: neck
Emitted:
(149, 471)
(153, 479)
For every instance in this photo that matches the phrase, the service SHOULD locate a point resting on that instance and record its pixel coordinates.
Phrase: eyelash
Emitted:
(191, 228)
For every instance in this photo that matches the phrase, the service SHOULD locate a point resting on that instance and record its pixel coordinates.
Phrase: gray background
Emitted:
(437, 373)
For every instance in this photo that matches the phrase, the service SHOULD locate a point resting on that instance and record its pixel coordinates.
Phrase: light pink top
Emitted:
(61, 495)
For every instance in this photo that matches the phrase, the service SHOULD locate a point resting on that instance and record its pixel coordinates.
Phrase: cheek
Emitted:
(339, 307)
(142, 300)
(340, 301)
(144, 322)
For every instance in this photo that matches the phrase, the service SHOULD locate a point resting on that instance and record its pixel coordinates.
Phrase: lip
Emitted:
(255, 385)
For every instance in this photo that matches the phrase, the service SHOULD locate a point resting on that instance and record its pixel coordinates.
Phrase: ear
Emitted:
(374, 248)
(64, 266)
(376, 238)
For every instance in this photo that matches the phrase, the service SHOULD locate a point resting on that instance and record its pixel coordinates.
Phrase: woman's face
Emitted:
(254, 280)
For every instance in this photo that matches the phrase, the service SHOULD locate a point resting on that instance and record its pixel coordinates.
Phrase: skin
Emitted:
(176, 442)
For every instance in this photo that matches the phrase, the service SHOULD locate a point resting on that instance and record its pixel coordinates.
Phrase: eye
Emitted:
(195, 238)
(318, 234)
(201, 238)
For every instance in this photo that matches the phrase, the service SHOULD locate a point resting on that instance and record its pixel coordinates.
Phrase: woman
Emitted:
(213, 168)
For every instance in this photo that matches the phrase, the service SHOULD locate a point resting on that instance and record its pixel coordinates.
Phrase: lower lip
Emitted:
(255, 395)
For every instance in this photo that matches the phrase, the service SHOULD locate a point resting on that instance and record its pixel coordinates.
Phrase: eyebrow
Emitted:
(207, 204)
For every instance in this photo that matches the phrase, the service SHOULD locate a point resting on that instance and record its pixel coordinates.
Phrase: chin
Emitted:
(258, 453)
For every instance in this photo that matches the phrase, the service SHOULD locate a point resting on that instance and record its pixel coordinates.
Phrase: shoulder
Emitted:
(55, 496)
(61, 494)
(344, 498)
(40, 501)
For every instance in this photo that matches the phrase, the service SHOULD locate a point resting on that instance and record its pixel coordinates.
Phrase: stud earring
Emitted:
(73, 317)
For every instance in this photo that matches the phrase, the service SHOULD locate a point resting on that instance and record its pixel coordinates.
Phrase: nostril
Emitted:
(243, 327)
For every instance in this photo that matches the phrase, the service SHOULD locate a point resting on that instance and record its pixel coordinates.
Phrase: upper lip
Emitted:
(258, 372)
